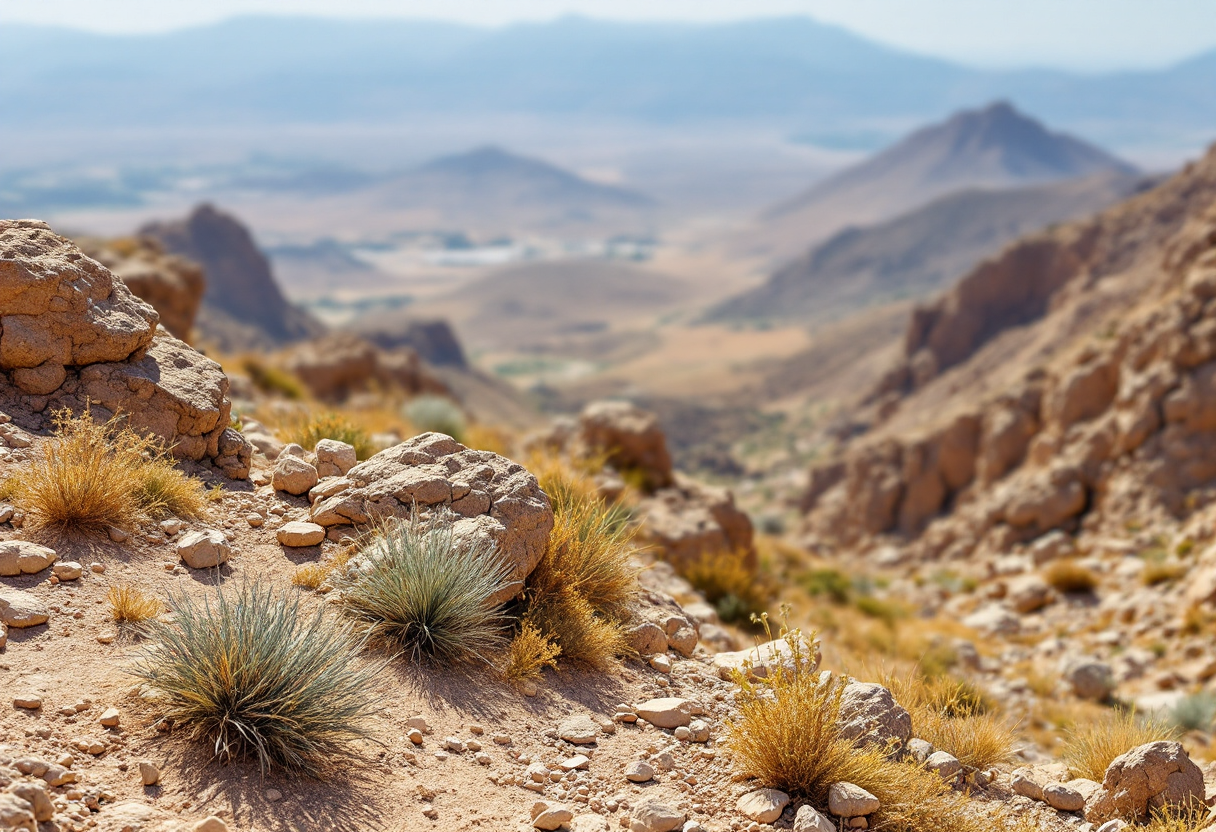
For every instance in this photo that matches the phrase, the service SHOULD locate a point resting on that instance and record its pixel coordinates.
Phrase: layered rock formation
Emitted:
(73, 336)
(1070, 381)
(243, 307)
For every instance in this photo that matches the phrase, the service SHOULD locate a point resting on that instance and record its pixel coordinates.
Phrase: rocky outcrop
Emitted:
(1148, 777)
(172, 285)
(243, 306)
(488, 494)
(434, 340)
(629, 439)
(336, 366)
(73, 336)
(1091, 430)
(689, 521)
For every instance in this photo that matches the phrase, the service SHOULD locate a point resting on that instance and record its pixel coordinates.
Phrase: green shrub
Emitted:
(1196, 712)
(270, 379)
(436, 413)
(827, 583)
(416, 586)
(249, 672)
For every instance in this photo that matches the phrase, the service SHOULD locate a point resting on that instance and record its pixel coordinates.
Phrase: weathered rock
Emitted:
(994, 619)
(149, 774)
(334, 458)
(172, 285)
(667, 712)
(652, 815)
(21, 609)
(629, 438)
(1149, 776)
(1090, 679)
(688, 522)
(943, 764)
(338, 365)
(647, 638)
(847, 800)
(1028, 593)
(68, 570)
(579, 730)
(1060, 796)
(809, 820)
(869, 715)
(552, 817)
(299, 533)
(18, 557)
(639, 772)
(293, 475)
(203, 548)
(758, 661)
(16, 813)
(762, 805)
(1024, 782)
(489, 495)
(590, 822)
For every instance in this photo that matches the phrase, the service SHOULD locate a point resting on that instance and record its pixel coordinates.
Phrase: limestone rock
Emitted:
(668, 712)
(759, 660)
(490, 495)
(847, 800)
(18, 557)
(869, 715)
(16, 813)
(68, 570)
(579, 730)
(652, 815)
(1062, 797)
(149, 774)
(809, 820)
(1023, 781)
(299, 533)
(944, 764)
(639, 772)
(762, 805)
(1090, 679)
(340, 364)
(293, 475)
(647, 638)
(203, 548)
(21, 609)
(334, 458)
(1148, 777)
(689, 521)
(172, 285)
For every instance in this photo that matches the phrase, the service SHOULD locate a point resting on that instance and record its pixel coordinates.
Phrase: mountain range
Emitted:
(793, 74)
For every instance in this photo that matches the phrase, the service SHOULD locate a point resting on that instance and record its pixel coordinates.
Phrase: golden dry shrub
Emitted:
(1090, 747)
(955, 717)
(728, 582)
(1069, 576)
(131, 605)
(91, 476)
(530, 652)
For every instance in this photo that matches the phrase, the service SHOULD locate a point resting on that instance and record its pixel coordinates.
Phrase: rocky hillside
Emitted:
(243, 307)
(996, 147)
(1066, 384)
(919, 252)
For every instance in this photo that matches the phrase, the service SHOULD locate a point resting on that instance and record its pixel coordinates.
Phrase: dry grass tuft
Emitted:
(1089, 748)
(787, 735)
(257, 678)
(131, 605)
(92, 476)
(1069, 576)
(1162, 572)
(425, 591)
(270, 379)
(580, 594)
(310, 575)
(1172, 818)
(530, 653)
(736, 590)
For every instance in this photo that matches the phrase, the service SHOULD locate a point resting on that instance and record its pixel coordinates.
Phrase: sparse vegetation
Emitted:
(1067, 576)
(427, 592)
(310, 575)
(956, 717)
(313, 429)
(831, 584)
(251, 673)
(92, 476)
(579, 594)
(271, 379)
(1089, 748)
(530, 652)
(735, 589)
(1196, 712)
(1190, 817)
(436, 413)
(1156, 572)
(131, 605)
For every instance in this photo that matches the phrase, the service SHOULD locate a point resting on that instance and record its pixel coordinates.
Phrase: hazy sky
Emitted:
(1080, 34)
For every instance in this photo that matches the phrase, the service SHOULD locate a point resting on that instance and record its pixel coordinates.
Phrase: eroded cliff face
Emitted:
(1070, 381)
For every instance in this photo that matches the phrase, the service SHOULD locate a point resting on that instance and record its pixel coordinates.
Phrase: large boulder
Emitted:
(1148, 777)
(72, 335)
(629, 439)
(488, 494)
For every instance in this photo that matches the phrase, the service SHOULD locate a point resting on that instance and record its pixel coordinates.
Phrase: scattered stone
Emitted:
(846, 800)
(454, 745)
(203, 548)
(256, 521)
(211, 824)
(669, 712)
(757, 661)
(110, 718)
(273, 795)
(810, 820)
(869, 715)
(550, 816)
(21, 557)
(29, 701)
(300, 533)
(69, 570)
(579, 730)
(763, 805)
(920, 750)
(418, 723)
(661, 662)
(1028, 593)
(944, 764)
(994, 619)
(698, 731)
(639, 772)
(293, 475)
(1023, 782)
(149, 774)
(1059, 796)
(334, 458)
(647, 639)
(590, 823)
(578, 761)
(1090, 679)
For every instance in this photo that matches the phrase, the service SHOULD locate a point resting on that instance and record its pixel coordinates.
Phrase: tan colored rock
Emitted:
(629, 438)
(334, 458)
(21, 609)
(1149, 776)
(869, 715)
(652, 815)
(647, 638)
(488, 494)
(21, 557)
(67, 570)
(758, 661)
(293, 475)
(299, 533)
(172, 285)
(338, 365)
(847, 800)
(1028, 593)
(666, 712)
(762, 805)
(149, 774)
(690, 521)
(203, 548)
